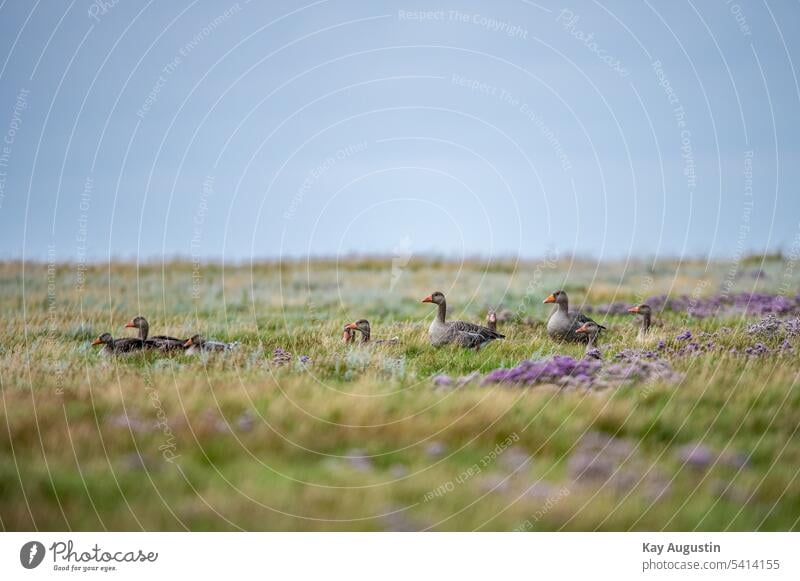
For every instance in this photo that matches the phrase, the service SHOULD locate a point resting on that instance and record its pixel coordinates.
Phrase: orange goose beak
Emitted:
(97, 341)
(188, 343)
(634, 310)
(550, 299)
(130, 324)
(428, 299)
(352, 326)
(582, 329)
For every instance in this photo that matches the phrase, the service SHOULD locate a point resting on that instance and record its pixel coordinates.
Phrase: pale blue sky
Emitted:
(239, 130)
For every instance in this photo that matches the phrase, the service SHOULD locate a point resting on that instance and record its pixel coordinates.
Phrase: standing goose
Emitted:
(197, 343)
(468, 335)
(113, 346)
(160, 342)
(646, 312)
(563, 325)
(362, 325)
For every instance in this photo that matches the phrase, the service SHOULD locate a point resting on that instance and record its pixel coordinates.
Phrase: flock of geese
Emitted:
(563, 325)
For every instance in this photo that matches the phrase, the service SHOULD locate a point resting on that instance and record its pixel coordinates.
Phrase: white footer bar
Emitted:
(355, 556)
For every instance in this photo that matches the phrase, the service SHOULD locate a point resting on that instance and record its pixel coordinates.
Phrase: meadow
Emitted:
(294, 430)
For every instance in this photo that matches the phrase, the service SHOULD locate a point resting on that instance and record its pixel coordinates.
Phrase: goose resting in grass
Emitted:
(160, 342)
(347, 335)
(646, 312)
(362, 325)
(468, 335)
(592, 331)
(563, 325)
(197, 343)
(113, 346)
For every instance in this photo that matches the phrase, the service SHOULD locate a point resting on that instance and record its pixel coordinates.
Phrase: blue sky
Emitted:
(252, 130)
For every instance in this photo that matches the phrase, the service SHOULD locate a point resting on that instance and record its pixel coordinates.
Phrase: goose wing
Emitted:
(127, 344)
(165, 343)
(579, 319)
(472, 335)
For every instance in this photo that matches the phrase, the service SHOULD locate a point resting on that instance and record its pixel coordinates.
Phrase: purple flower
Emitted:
(555, 370)
(792, 327)
(442, 380)
(747, 303)
(766, 327)
(685, 336)
(757, 350)
(281, 356)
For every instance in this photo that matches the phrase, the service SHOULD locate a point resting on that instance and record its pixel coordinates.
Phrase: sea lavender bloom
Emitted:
(558, 369)
(766, 327)
(593, 353)
(685, 336)
(748, 303)
(442, 380)
(792, 327)
(757, 350)
(281, 356)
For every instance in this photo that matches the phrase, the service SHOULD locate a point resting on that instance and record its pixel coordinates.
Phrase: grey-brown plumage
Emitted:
(646, 312)
(113, 346)
(362, 326)
(592, 331)
(159, 342)
(198, 343)
(462, 333)
(491, 321)
(563, 324)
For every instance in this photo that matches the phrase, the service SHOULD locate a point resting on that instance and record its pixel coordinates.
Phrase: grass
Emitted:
(362, 439)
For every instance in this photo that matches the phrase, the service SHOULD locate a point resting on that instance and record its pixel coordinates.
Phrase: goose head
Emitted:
(104, 339)
(643, 310)
(195, 340)
(362, 325)
(589, 328)
(436, 298)
(559, 297)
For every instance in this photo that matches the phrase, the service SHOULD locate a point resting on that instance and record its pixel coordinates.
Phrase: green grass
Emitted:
(258, 446)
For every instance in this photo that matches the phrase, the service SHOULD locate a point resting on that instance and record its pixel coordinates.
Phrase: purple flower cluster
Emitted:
(769, 326)
(638, 370)
(792, 327)
(757, 350)
(748, 303)
(685, 336)
(566, 371)
(281, 356)
(560, 369)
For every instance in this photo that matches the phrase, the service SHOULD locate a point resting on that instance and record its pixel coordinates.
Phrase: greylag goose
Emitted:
(160, 342)
(646, 312)
(362, 325)
(347, 335)
(468, 335)
(562, 325)
(197, 343)
(592, 331)
(118, 346)
(491, 321)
